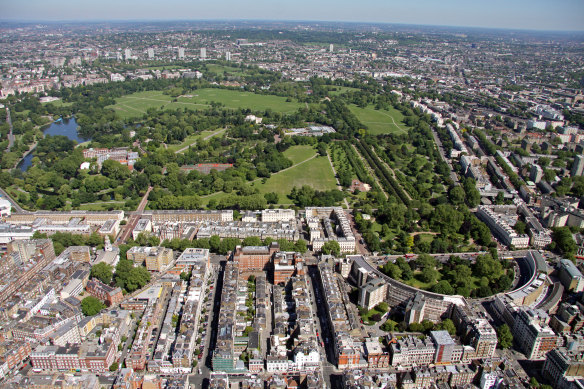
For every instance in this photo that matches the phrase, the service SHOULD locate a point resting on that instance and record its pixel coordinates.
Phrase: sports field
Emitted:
(136, 104)
(380, 121)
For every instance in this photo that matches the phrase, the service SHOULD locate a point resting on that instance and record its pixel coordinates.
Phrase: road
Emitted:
(133, 220)
(10, 134)
(199, 380)
(322, 327)
(453, 175)
(362, 249)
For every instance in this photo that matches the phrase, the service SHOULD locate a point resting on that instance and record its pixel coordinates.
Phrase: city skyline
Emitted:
(565, 15)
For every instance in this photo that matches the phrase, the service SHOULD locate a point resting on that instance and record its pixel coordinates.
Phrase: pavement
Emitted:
(133, 220)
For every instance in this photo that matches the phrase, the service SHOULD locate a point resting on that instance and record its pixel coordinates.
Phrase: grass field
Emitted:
(340, 89)
(220, 69)
(136, 104)
(192, 138)
(316, 173)
(380, 121)
(307, 170)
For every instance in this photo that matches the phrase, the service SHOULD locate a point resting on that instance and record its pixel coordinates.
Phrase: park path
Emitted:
(370, 170)
(389, 116)
(339, 187)
(205, 138)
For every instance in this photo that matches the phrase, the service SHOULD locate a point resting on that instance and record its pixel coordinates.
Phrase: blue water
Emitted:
(66, 127)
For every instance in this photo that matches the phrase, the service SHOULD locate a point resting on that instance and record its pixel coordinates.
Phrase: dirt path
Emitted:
(205, 138)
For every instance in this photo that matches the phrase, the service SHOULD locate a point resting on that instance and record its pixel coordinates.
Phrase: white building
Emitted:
(308, 359)
(203, 53)
(181, 53)
(278, 215)
(5, 208)
(143, 225)
(150, 53)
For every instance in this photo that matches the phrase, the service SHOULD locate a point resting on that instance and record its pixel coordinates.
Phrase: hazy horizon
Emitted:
(536, 15)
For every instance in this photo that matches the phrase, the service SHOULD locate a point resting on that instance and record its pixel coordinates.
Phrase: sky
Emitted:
(512, 14)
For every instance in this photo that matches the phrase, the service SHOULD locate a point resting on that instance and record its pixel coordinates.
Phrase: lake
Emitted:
(66, 127)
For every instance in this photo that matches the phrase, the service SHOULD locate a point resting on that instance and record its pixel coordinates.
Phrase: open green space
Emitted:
(136, 104)
(221, 69)
(380, 121)
(316, 173)
(308, 169)
(297, 154)
(340, 89)
(191, 139)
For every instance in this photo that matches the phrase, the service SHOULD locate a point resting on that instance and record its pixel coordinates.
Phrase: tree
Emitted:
(271, 197)
(520, 227)
(443, 287)
(447, 325)
(251, 241)
(428, 275)
(137, 278)
(300, 246)
(562, 237)
(114, 366)
(456, 195)
(504, 336)
(91, 306)
(331, 247)
(389, 326)
(103, 272)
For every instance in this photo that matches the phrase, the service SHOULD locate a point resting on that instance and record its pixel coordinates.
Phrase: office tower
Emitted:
(181, 52)
(203, 53)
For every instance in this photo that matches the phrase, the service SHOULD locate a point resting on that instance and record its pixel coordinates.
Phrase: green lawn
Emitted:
(315, 172)
(221, 69)
(298, 154)
(380, 121)
(192, 138)
(136, 104)
(339, 90)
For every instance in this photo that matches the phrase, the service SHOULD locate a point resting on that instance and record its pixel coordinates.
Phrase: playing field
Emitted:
(380, 121)
(136, 104)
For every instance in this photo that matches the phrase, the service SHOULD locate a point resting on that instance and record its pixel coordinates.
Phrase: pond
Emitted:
(66, 127)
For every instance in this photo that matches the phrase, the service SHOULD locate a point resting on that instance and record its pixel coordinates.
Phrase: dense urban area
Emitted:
(290, 205)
